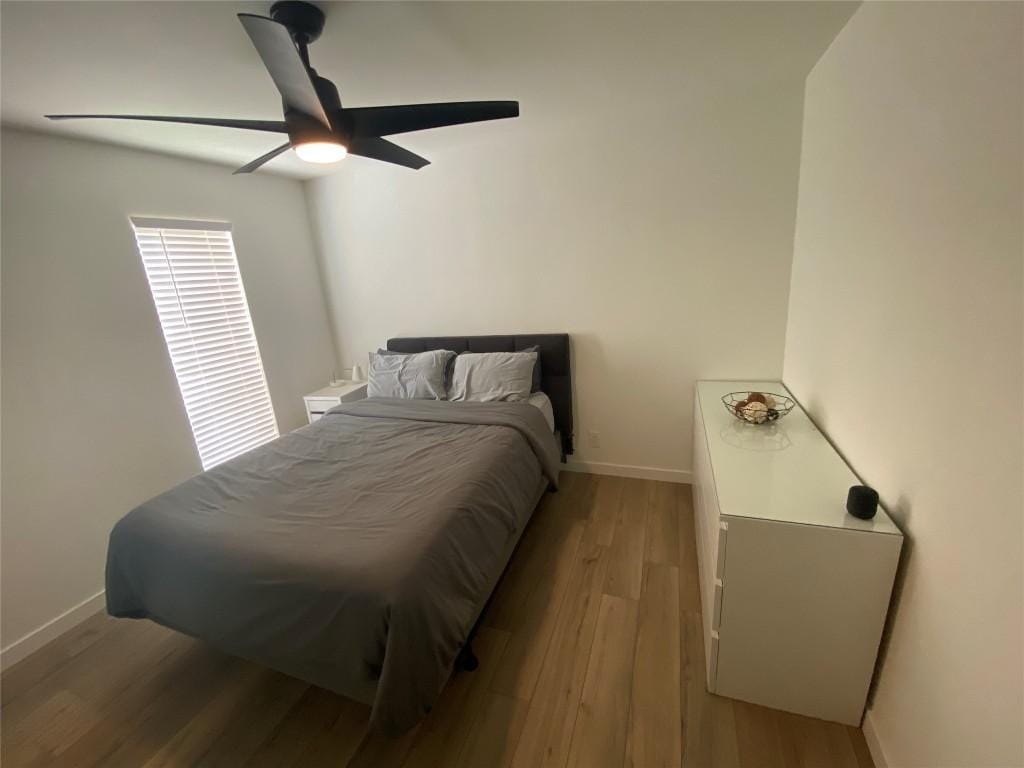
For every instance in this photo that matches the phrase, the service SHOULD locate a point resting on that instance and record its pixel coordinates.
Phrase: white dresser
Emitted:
(321, 401)
(794, 589)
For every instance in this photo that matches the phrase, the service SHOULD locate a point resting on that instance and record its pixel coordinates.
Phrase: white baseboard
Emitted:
(874, 745)
(628, 470)
(51, 630)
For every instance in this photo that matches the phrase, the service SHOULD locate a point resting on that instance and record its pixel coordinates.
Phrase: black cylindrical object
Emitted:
(862, 502)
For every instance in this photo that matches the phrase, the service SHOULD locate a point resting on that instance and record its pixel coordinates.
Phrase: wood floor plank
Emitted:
(54, 656)
(443, 734)
(581, 494)
(697, 716)
(709, 726)
(551, 717)
(841, 751)
(233, 724)
(148, 714)
(524, 654)
(269, 703)
(789, 739)
(43, 737)
(377, 751)
(567, 479)
(725, 752)
(757, 735)
(337, 745)
(599, 738)
(654, 718)
(99, 673)
(626, 553)
(314, 714)
(662, 542)
(494, 736)
(689, 580)
(144, 642)
(807, 742)
(607, 498)
(92, 682)
(860, 747)
(532, 563)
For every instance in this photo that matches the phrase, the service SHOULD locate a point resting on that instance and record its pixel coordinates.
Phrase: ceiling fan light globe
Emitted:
(321, 152)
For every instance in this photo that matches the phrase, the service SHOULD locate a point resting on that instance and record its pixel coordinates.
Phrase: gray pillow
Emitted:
(447, 371)
(535, 385)
(420, 376)
(492, 376)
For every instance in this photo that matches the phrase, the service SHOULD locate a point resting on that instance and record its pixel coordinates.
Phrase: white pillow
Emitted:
(492, 376)
(419, 376)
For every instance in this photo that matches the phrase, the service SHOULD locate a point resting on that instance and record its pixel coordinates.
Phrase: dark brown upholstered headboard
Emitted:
(555, 370)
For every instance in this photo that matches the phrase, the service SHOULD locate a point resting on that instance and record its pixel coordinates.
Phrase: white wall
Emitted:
(905, 340)
(644, 202)
(93, 423)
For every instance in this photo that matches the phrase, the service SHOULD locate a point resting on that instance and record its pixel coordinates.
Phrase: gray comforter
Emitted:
(355, 553)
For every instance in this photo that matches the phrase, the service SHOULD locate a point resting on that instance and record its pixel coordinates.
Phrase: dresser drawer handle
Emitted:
(713, 663)
(723, 531)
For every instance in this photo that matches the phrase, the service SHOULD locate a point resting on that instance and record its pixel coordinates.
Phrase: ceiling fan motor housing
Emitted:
(303, 129)
(304, 20)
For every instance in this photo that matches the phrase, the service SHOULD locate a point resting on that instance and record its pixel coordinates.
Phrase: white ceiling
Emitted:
(194, 58)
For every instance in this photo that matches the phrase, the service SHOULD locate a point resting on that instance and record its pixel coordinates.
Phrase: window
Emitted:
(197, 288)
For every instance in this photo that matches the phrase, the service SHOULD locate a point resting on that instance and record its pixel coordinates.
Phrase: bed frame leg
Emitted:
(467, 659)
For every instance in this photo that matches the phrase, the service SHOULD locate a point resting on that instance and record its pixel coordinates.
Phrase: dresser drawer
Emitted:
(711, 532)
(322, 404)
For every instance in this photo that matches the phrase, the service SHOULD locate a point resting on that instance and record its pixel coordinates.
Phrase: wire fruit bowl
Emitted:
(757, 407)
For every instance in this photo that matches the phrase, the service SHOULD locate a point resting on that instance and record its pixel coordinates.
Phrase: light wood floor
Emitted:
(591, 655)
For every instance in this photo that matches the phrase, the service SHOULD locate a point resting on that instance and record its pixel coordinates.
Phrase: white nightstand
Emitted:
(321, 401)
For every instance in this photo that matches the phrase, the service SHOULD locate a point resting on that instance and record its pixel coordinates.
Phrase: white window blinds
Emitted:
(198, 292)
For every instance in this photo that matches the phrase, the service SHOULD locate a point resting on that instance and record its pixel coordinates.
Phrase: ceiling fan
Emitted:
(319, 129)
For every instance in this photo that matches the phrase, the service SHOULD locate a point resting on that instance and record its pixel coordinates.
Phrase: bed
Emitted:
(355, 553)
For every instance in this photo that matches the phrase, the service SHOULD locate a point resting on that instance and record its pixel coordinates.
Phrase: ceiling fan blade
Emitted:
(381, 149)
(385, 121)
(250, 167)
(275, 46)
(272, 126)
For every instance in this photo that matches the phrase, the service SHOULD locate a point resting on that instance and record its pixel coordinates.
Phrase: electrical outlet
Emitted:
(595, 438)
